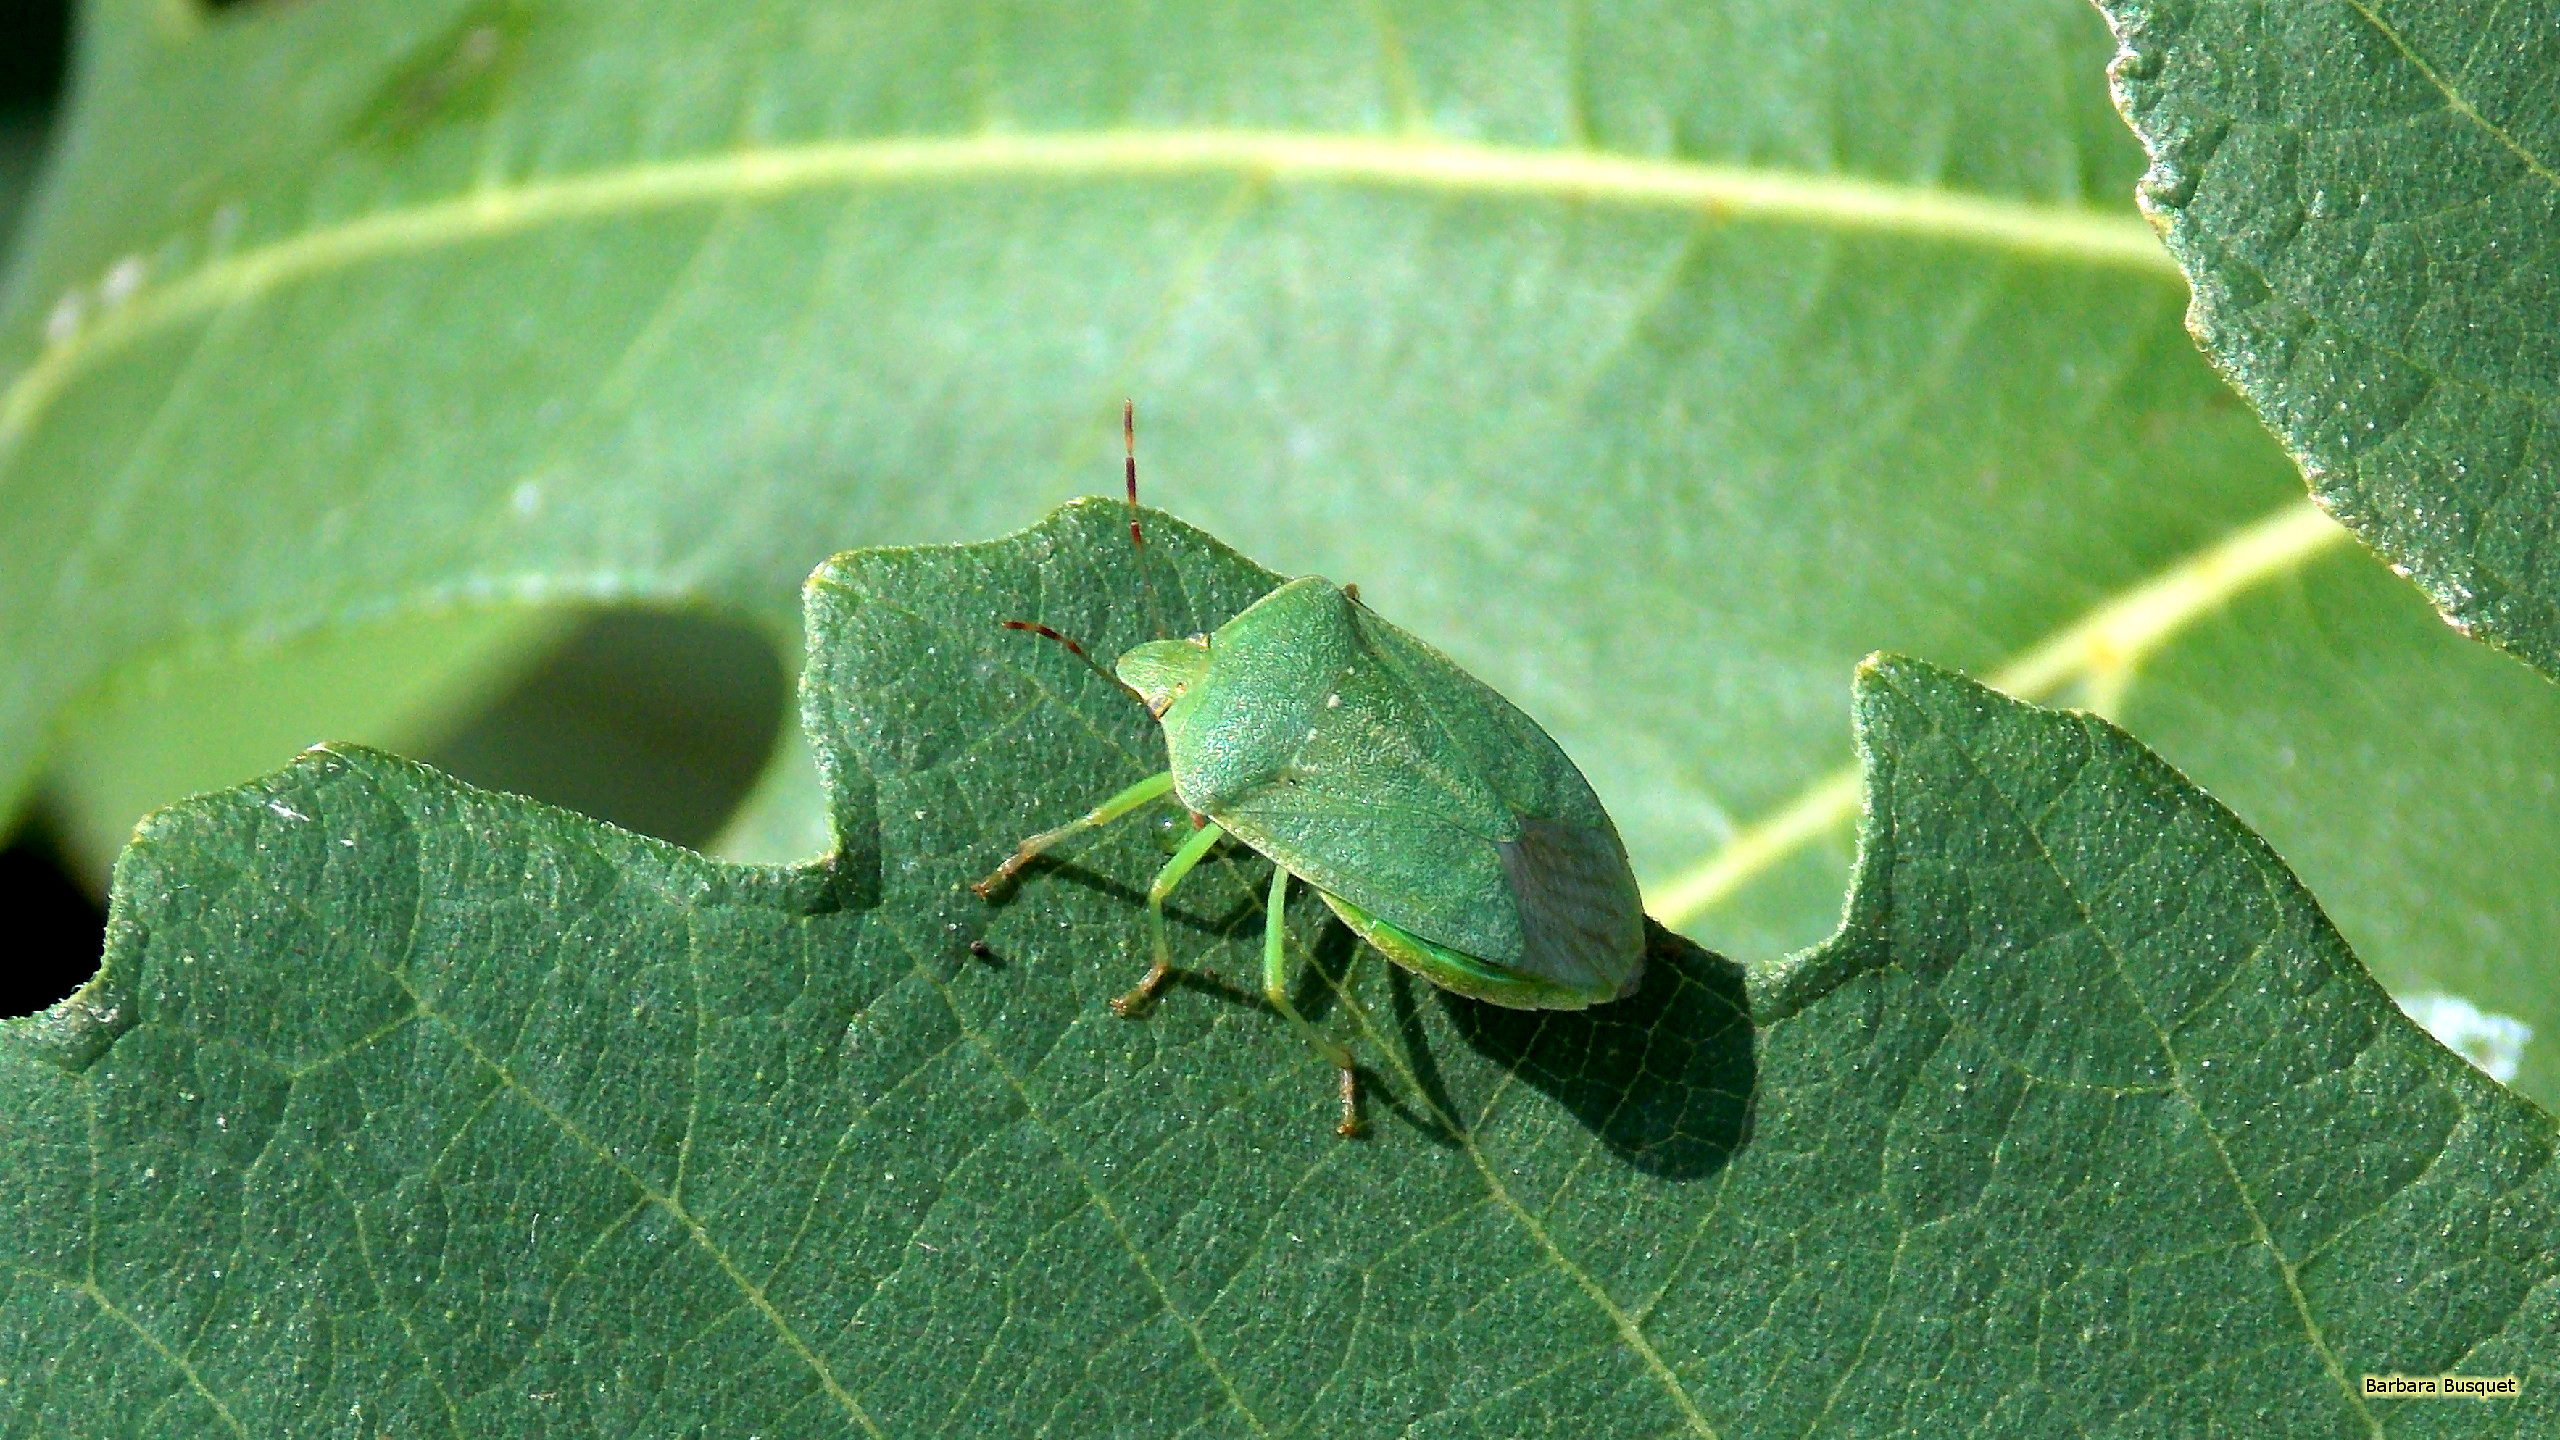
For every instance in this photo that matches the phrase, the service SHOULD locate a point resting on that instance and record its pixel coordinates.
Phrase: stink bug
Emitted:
(1441, 824)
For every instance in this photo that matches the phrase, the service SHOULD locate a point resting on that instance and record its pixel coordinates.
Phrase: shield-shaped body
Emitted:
(1440, 822)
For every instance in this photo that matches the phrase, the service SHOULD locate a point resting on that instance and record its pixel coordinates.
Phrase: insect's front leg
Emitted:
(1100, 815)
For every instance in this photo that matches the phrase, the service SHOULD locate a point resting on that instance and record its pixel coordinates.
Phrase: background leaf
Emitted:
(423, 1110)
(1658, 361)
(2363, 195)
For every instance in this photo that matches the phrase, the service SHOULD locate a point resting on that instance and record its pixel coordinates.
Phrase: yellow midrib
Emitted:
(2101, 649)
(2101, 239)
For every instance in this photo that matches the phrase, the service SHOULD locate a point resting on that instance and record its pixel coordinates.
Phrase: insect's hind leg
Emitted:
(1192, 852)
(1100, 815)
(1275, 988)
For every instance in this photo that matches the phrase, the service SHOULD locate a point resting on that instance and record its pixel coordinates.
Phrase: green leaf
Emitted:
(21, 150)
(1658, 363)
(2363, 195)
(407, 1108)
(406, 680)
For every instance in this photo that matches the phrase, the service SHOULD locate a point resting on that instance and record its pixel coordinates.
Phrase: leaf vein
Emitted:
(1630, 1332)
(1731, 192)
(382, 1297)
(2106, 640)
(753, 1292)
(2454, 99)
(1101, 1200)
(2286, 1266)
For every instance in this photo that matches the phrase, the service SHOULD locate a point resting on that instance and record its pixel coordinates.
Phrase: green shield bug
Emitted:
(1445, 827)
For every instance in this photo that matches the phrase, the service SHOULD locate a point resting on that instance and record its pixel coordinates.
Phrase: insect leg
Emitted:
(1192, 852)
(1275, 988)
(1102, 814)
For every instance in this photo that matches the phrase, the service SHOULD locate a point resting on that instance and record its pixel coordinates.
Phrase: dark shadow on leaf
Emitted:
(1664, 1077)
(1317, 982)
(1047, 870)
(657, 720)
(1331, 950)
(1433, 1125)
(60, 928)
(1189, 972)
(1182, 917)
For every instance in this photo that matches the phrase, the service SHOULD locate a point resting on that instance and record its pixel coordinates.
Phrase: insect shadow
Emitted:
(1313, 993)
(1332, 953)
(1664, 1077)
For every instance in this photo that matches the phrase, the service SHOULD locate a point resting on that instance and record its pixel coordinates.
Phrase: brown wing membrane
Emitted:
(1575, 900)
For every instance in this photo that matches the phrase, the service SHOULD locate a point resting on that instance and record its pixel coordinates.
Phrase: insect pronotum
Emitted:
(1443, 826)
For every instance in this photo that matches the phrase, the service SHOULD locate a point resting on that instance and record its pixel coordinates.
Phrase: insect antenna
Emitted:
(1078, 651)
(1137, 537)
